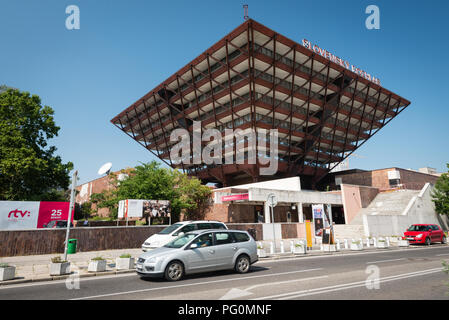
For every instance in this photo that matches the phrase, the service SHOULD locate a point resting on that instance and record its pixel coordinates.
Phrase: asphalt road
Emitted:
(412, 273)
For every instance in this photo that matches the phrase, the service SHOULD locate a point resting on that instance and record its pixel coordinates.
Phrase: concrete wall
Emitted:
(379, 179)
(419, 210)
(354, 198)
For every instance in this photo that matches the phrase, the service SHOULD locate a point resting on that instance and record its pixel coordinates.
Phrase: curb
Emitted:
(63, 277)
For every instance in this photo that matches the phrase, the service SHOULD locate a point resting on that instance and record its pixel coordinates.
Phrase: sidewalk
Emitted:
(36, 267)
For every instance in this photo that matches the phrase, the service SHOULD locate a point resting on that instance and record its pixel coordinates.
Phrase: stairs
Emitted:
(386, 203)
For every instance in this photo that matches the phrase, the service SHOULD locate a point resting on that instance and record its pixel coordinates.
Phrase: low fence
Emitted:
(49, 241)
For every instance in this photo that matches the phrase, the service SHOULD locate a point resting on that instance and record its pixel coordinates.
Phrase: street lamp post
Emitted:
(71, 207)
(272, 201)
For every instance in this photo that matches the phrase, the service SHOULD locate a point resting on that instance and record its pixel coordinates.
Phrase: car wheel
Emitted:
(444, 240)
(428, 242)
(174, 271)
(242, 264)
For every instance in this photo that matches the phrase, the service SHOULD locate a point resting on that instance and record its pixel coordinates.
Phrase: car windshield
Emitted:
(180, 241)
(171, 228)
(418, 228)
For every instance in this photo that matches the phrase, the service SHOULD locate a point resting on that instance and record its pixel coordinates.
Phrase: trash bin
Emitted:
(71, 247)
(252, 232)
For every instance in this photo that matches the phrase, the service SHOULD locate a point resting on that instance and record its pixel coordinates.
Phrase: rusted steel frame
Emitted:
(139, 142)
(322, 124)
(163, 130)
(363, 113)
(291, 107)
(274, 78)
(132, 129)
(350, 115)
(234, 140)
(386, 109)
(374, 114)
(194, 166)
(151, 128)
(252, 89)
(213, 106)
(140, 126)
(322, 121)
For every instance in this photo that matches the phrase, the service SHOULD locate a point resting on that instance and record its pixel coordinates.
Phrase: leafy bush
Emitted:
(4, 265)
(125, 256)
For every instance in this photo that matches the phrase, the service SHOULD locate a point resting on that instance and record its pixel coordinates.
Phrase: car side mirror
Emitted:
(194, 246)
(180, 234)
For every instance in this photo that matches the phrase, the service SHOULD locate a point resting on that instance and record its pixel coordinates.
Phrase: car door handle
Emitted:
(212, 251)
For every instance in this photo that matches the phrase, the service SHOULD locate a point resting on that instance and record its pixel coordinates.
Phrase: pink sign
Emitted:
(52, 211)
(241, 196)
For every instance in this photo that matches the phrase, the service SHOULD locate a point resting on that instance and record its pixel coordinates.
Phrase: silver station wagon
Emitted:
(200, 251)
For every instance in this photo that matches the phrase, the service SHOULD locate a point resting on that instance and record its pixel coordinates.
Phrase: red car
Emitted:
(424, 233)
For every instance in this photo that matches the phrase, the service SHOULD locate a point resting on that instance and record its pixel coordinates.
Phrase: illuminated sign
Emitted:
(345, 64)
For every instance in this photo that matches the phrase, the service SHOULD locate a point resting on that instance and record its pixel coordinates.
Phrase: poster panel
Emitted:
(18, 215)
(157, 208)
(318, 219)
(52, 211)
(135, 208)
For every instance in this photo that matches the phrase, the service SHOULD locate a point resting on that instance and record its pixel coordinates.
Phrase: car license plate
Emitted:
(410, 238)
(139, 266)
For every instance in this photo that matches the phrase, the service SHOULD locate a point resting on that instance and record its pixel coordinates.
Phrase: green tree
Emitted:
(149, 181)
(29, 168)
(440, 194)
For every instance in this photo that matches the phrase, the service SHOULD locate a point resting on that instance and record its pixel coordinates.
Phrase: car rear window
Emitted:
(223, 238)
(240, 236)
(204, 226)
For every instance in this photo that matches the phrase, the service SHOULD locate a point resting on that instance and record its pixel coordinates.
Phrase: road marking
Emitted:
(380, 261)
(443, 254)
(195, 284)
(235, 293)
(302, 293)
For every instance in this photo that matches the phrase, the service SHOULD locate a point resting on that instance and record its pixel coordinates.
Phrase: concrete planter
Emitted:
(7, 273)
(382, 244)
(124, 263)
(356, 246)
(300, 249)
(403, 243)
(329, 248)
(261, 253)
(59, 269)
(97, 266)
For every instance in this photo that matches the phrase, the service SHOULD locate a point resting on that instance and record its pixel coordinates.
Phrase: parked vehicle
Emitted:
(57, 224)
(171, 232)
(425, 233)
(200, 251)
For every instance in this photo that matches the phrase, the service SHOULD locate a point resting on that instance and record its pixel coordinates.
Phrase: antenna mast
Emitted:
(245, 12)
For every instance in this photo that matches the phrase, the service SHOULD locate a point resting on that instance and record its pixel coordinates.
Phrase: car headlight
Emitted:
(155, 259)
(419, 236)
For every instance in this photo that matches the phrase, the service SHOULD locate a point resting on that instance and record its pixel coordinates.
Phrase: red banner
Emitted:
(52, 211)
(234, 197)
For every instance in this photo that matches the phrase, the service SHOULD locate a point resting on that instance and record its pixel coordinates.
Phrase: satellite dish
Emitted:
(105, 169)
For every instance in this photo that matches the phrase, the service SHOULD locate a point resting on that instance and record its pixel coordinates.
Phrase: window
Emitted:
(240, 236)
(171, 228)
(188, 228)
(204, 226)
(204, 240)
(223, 238)
(218, 226)
(180, 242)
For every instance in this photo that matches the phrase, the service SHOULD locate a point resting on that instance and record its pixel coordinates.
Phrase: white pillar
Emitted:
(300, 212)
(267, 212)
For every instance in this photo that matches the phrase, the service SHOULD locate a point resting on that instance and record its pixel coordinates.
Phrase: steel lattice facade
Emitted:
(256, 78)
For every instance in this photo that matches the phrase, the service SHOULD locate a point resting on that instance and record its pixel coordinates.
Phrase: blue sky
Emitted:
(126, 48)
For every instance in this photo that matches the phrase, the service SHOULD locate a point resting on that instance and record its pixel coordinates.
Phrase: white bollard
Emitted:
(292, 246)
(388, 241)
(374, 242)
(271, 247)
(367, 243)
(282, 246)
(361, 241)
(338, 245)
(346, 244)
